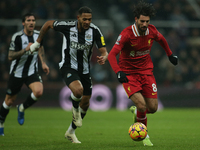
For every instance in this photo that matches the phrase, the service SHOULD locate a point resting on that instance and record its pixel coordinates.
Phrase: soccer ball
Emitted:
(138, 131)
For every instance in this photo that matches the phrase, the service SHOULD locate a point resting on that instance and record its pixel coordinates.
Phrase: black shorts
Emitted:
(15, 84)
(69, 75)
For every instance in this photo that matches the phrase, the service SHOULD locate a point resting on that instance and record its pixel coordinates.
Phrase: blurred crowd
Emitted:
(183, 40)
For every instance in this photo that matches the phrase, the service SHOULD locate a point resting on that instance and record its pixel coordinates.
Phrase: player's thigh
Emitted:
(14, 85)
(152, 104)
(149, 89)
(34, 82)
(139, 101)
(37, 88)
(73, 81)
(87, 84)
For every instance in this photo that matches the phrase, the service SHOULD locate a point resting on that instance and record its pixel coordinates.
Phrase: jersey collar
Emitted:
(135, 31)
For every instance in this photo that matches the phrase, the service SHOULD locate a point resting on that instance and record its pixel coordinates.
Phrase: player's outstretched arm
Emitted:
(47, 25)
(163, 42)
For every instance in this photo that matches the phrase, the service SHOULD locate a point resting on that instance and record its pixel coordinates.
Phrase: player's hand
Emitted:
(45, 68)
(34, 47)
(173, 59)
(101, 60)
(121, 76)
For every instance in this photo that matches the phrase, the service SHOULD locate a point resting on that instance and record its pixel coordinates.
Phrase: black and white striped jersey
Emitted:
(77, 46)
(27, 64)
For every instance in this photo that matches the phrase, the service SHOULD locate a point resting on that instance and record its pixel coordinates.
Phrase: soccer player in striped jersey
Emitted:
(135, 67)
(79, 37)
(23, 70)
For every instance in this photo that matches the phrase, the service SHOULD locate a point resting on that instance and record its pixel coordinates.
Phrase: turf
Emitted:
(44, 128)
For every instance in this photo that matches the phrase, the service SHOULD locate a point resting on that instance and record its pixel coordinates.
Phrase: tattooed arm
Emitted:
(42, 59)
(12, 55)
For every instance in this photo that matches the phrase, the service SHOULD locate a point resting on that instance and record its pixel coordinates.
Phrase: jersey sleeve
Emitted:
(163, 42)
(59, 25)
(15, 43)
(99, 38)
(121, 41)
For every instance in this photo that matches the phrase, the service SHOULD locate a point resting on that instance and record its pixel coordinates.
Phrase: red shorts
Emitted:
(146, 84)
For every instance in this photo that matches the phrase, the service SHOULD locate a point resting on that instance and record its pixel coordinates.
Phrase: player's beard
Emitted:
(143, 29)
(82, 28)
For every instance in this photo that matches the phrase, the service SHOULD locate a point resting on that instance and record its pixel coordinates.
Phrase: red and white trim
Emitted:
(135, 31)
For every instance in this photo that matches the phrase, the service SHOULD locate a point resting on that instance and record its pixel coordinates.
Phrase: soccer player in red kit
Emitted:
(135, 67)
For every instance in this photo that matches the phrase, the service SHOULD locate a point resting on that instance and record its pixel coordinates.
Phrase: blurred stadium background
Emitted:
(177, 20)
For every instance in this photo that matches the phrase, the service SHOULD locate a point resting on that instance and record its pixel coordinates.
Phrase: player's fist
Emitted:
(34, 47)
(121, 76)
(173, 59)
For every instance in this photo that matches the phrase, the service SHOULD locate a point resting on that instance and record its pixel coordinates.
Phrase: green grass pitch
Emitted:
(44, 129)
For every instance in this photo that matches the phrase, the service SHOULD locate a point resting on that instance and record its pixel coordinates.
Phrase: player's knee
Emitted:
(9, 101)
(152, 110)
(141, 108)
(38, 93)
(78, 92)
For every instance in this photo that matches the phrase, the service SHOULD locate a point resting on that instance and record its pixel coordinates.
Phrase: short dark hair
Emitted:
(84, 9)
(145, 9)
(27, 15)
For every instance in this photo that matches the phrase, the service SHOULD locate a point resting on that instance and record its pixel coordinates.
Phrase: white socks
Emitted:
(21, 108)
(6, 106)
(70, 129)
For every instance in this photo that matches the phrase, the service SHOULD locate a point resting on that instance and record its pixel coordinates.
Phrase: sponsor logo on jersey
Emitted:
(139, 53)
(154, 93)
(73, 35)
(79, 46)
(132, 53)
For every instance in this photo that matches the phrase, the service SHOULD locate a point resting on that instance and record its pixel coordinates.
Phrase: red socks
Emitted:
(141, 117)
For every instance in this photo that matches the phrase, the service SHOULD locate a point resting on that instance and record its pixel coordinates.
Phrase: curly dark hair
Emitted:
(143, 8)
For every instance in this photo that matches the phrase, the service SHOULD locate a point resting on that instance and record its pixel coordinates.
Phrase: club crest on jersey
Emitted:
(118, 39)
(149, 41)
(69, 75)
(9, 91)
(88, 37)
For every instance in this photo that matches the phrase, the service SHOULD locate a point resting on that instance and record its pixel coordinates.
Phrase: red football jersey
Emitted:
(135, 50)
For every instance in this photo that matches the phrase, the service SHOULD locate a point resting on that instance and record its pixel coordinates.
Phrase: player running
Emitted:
(135, 67)
(78, 39)
(23, 70)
